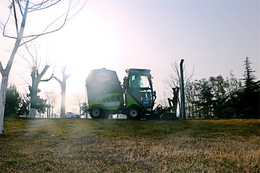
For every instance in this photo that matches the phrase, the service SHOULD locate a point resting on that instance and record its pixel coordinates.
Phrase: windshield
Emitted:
(138, 80)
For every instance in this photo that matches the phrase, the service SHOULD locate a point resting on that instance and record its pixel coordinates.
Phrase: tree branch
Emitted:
(57, 79)
(43, 71)
(4, 25)
(15, 19)
(35, 36)
(37, 7)
(40, 6)
(46, 80)
(67, 76)
(1, 68)
(20, 7)
(18, 39)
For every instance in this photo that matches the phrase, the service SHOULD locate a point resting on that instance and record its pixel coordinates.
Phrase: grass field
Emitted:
(80, 145)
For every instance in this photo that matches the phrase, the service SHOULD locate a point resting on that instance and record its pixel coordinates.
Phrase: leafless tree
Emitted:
(63, 90)
(174, 80)
(79, 100)
(18, 12)
(36, 79)
(51, 100)
(34, 63)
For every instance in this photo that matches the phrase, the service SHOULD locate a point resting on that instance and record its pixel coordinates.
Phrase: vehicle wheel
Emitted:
(133, 112)
(96, 112)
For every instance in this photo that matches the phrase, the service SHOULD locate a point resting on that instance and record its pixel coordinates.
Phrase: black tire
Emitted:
(133, 112)
(96, 112)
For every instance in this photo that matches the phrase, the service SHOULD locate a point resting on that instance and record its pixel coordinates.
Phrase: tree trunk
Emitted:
(2, 102)
(48, 112)
(32, 113)
(192, 110)
(63, 91)
(33, 94)
(52, 112)
(189, 115)
(36, 79)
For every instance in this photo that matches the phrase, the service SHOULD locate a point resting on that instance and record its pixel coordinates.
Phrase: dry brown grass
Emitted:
(37, 150)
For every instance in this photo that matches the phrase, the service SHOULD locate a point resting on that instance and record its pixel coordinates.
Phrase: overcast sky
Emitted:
(214, 37)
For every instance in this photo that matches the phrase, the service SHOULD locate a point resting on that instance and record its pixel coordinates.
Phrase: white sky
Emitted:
(213, 36)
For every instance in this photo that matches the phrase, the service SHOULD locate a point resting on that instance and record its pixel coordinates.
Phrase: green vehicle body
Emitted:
(107, 96)
(111, 101)
(129, 100)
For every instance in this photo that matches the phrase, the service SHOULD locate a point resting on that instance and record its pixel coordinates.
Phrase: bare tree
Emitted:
(18, 13)
(36, 79)
(174, 80)
(51, 99)
(79, 100)
(63, 90)
(34, 63)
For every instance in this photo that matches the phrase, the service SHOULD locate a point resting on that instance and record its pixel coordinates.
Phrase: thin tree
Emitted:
(51, 99)
(79, 100)
(174, 80)
(63, 90)
(190, 98)
(18, 13)
(197, 95)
